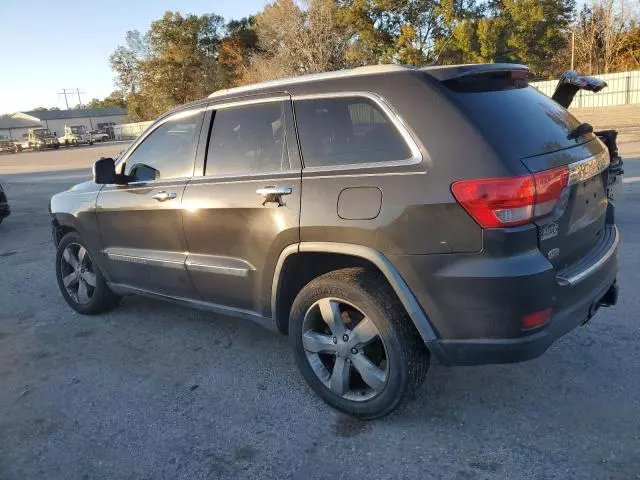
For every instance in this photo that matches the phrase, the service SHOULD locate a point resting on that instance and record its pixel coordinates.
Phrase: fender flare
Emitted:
(411, 305)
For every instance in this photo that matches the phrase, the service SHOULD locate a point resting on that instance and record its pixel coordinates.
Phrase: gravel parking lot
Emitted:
(152, 390)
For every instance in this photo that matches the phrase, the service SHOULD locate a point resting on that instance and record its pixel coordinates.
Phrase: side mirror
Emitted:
(104, 171)
(144, 173)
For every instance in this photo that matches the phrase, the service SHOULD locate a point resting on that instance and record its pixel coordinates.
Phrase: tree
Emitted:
(237, 48)
(604, 41)
(294, 40)
(115, 99)
(532, 32)
(175, 62)
(403, 31)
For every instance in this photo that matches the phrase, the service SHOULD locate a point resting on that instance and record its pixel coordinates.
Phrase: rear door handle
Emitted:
(274, 191)
(164, 196)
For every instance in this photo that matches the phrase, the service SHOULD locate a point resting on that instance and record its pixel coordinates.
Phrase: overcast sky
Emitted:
(46, 46)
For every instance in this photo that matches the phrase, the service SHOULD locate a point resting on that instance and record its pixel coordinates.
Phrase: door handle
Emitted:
(164, 196)
(274, 191)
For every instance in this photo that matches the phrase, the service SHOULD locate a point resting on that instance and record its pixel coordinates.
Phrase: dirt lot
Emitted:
(152, 390)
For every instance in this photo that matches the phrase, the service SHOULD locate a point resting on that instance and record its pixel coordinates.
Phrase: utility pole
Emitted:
(71, 92)
(64, 92)
(573, 46)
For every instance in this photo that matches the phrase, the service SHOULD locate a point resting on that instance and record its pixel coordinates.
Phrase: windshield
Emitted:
(42, 132)
(79, 129)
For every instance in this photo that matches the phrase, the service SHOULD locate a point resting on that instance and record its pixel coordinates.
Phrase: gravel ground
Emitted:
(152, 390)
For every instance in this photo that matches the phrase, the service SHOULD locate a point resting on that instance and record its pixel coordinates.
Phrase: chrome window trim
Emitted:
(589, 167)
(250, 101)
(395, 119)
(153, 127)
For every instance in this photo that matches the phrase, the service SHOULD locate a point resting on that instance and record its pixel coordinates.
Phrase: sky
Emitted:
(48, 46)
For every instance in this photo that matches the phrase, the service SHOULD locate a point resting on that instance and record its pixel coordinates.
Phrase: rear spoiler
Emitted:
(456, 72)
(571, 82)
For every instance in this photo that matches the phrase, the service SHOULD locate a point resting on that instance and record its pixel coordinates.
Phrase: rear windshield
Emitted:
(518, 122)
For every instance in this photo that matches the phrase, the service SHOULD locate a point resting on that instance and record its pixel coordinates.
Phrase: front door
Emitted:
(141, 223)
(245, 209)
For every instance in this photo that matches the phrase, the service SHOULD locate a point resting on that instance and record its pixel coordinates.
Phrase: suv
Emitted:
(379, 217)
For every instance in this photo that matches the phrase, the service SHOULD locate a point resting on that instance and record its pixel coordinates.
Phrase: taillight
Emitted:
(505, 202)
(535, 319)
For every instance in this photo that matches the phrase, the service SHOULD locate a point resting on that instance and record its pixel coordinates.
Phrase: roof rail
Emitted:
(365, 70)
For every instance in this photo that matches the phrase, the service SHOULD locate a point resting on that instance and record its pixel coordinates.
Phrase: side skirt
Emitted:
(252, 316)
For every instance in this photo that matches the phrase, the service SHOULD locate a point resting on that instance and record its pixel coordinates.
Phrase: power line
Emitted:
(71, 91)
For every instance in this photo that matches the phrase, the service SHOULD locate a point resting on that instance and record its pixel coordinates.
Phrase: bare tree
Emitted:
(295, 40)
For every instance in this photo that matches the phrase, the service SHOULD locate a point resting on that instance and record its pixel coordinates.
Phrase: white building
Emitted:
(19, 123)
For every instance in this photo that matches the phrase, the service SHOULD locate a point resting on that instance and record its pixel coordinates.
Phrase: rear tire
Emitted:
(377, 370)
(80, 280)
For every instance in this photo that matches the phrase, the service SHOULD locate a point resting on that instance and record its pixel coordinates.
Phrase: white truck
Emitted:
(75, 135)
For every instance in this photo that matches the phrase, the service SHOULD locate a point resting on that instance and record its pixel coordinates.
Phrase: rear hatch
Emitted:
(528, 129)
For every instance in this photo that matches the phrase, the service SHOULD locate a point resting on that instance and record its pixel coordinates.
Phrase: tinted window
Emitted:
(519, 122)
(170, 148)
(346, 130)
(248, 139)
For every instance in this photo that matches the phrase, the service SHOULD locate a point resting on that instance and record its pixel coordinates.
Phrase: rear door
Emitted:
(245, 208)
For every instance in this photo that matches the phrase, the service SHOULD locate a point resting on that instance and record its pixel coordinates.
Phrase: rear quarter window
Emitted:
(347, 130)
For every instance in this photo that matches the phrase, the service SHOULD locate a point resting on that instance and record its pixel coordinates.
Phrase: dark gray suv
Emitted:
(379, 217)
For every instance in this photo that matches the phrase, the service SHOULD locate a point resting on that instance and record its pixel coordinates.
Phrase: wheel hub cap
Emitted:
(345, 350)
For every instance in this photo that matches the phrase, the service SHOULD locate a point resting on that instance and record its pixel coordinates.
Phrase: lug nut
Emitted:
(345, 337)
(354, 350)
(335, 340)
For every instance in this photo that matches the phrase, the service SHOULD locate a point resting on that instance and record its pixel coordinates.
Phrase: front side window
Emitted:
(169, 150)
(347, 130)
(248, 139)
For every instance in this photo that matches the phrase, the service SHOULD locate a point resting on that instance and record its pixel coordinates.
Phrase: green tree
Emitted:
(115, 99)
(175, 62)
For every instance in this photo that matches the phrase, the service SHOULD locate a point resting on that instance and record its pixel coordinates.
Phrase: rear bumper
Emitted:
(485, 351)
(476, 302)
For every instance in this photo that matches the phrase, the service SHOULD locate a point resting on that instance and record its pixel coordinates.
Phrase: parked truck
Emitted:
(76, 135)
(7, 145)
(39, 139)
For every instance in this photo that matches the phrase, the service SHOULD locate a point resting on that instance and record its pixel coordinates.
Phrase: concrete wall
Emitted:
(623, 89)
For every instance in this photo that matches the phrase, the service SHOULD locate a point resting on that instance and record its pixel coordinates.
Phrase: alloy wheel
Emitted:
(345, 350)
(78, 275)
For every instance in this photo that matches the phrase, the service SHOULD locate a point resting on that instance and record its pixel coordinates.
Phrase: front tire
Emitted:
(80, 280)
(354, 343)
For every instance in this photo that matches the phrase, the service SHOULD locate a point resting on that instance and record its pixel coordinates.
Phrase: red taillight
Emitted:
(536, 319)
(505, 202)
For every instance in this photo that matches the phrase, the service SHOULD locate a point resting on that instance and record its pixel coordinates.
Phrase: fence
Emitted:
(623, 89)
(129, 131)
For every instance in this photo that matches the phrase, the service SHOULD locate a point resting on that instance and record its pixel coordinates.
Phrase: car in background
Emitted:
(75, 135)
(39, 139)
(98, 136)
(9, 146)
(5, 211)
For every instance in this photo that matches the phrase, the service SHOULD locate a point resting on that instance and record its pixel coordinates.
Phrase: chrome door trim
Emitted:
(158, 258)
(397, 121)
(235, 267)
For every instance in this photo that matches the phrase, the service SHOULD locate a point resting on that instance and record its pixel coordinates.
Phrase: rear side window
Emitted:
(347, 130)
(248, 139)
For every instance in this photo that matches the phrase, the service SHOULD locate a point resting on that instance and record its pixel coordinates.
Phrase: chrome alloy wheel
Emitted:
(345, 350)
(78, 275)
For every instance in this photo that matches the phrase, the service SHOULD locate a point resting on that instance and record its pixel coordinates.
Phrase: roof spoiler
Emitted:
(571, 82)
(456, 72)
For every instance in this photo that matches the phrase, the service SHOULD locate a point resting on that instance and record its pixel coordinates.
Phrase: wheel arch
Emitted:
(342, 255)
